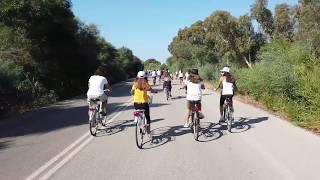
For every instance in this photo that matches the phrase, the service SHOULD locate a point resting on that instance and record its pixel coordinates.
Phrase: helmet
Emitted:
(141, 74)
(194, 71)
(225, 69)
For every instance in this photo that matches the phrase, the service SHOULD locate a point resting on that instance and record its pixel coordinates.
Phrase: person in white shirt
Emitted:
(181, 76)
(159, 75)
(154, 76)
(194, 86)
(97, 85)
(228, 87)
(187, 75)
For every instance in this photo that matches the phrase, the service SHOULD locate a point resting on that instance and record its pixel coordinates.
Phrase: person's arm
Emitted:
(235, 87)
(219, 83)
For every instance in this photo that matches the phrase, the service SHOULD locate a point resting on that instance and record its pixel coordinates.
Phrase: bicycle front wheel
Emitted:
(139, 134)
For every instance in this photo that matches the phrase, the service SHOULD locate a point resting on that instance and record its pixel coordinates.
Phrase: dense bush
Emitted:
(286, 79)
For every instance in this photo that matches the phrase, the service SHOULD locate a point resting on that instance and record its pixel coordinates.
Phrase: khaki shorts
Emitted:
(102, 97)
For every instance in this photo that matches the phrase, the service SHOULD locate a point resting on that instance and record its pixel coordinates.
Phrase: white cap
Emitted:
(225, 69)
(141, 74)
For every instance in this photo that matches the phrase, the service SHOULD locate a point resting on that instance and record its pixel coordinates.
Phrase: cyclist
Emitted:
(228, 87)
(167, 82)
(154, 76)
(187, 75)
(140, 90)
(159, 75)
(97, 84)
(194, 86)
(181, 76)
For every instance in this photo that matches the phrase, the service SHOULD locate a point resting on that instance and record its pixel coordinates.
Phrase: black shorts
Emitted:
(223, 98)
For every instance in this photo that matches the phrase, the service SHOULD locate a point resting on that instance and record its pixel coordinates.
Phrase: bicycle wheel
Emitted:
(93, 125)
(229, 119)
(139, 133)
(195, 127)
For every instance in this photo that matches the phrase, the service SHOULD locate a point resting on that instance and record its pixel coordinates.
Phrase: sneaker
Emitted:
(201, 115)
(186, 125)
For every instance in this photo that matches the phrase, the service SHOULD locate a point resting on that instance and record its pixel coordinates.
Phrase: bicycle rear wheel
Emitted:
(139, 133)
(93, 124)
(229, 119)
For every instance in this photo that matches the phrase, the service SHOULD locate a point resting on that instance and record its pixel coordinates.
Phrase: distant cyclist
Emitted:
(228, 86)
(181, 76)
(140, 90)
(97, 85)
(159, 75)
(167, 82)
(154, 76)
(194, 86)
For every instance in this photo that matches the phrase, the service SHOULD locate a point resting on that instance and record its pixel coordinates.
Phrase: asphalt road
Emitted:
(54, 143)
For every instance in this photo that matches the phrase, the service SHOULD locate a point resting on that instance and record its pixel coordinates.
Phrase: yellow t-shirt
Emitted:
(140, 96)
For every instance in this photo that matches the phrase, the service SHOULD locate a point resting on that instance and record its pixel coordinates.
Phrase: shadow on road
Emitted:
(4, 144)
(244, 124)
(46, 120)
(118, 126)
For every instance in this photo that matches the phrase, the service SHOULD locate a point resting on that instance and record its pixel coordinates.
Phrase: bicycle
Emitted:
(95, 117)
(141, 129)
(195, 119)
(228, 113)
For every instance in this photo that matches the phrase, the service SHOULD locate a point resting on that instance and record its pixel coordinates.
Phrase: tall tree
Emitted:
(263, 15)
(283, 23)
(309, 24)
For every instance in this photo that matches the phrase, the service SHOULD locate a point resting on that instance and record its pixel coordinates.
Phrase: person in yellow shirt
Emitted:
(140, 90)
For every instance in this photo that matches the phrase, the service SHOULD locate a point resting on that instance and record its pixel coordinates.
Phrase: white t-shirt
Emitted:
(227, 88)
(96, 85)
(159, 73)
(187, 75)
(194, 91)
(153, 73)
(180, 74)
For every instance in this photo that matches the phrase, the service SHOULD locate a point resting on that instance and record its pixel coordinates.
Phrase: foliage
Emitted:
(46, 52)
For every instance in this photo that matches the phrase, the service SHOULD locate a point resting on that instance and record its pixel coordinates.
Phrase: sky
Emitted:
(148, 26)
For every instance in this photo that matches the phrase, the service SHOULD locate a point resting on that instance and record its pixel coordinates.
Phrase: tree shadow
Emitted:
(5, 144)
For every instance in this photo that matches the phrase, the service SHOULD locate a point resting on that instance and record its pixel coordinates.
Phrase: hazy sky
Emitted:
(148, 26)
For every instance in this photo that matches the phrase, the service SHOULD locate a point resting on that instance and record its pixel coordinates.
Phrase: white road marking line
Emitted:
(50, 172)
(54, 159)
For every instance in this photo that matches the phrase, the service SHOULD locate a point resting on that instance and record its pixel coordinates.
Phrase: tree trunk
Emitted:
(247, 62)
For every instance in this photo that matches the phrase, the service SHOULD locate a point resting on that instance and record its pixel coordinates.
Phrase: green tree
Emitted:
(283, 23)
(152, 64)
(309, 24)
(263, 15)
